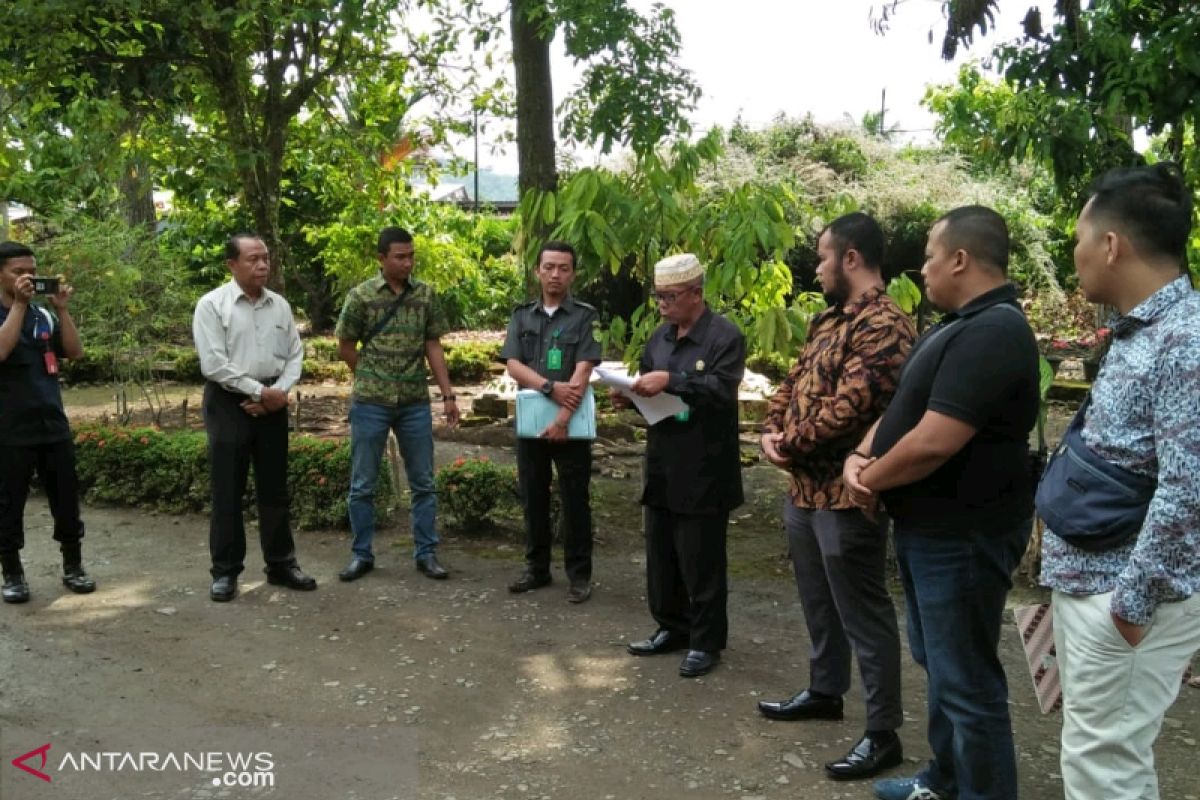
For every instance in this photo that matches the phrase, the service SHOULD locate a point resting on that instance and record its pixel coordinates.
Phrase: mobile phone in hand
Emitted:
(45, 285)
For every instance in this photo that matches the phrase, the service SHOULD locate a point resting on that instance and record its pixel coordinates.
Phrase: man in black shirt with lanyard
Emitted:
(34, 433)
(693, 467)
(552, 348)
(950, 460)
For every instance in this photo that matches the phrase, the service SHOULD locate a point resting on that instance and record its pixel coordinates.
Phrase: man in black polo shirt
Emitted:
(34, 433)
(552, 348)
(949, 459)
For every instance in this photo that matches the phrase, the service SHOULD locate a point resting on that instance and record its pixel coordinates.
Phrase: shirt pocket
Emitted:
(281, 345)
(529, 342)
(569, 344)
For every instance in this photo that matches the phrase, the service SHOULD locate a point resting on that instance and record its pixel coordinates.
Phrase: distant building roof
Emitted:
(443, 192)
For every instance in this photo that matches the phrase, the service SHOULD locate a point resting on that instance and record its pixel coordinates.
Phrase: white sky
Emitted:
(757, 58)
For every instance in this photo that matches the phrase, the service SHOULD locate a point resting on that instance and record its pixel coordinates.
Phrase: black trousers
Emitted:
(55, 466)
(840, 561)
(686, 576)
(235, 441)
(573, 460)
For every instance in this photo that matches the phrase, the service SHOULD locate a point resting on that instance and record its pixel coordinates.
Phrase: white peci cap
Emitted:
(682, 268)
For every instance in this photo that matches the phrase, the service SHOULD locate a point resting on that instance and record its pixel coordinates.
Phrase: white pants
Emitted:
(1115, 696)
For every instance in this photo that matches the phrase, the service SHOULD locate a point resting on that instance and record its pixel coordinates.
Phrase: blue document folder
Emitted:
(535, 412)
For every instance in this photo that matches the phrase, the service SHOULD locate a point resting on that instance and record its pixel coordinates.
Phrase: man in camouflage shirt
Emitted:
(389, 327)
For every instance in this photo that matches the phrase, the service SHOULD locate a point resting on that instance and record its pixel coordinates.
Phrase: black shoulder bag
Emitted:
(1088, 501)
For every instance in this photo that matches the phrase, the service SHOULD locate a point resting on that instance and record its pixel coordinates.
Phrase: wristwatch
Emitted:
(547, 388)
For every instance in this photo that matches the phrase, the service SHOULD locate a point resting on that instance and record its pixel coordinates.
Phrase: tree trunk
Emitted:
(137, 194)
(535, 97)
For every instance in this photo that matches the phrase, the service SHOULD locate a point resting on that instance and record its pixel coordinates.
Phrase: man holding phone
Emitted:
(34, 432)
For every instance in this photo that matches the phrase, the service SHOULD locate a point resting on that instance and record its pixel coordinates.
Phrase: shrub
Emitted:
(187, 366)
(470, 489)
(317, 370)
(168, 471)
(321, 348)
(94, 367)
(470, 362)
(772, 365)
(143, 467)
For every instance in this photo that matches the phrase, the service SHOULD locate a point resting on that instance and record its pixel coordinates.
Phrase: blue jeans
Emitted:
(413, 426)
(955, 587)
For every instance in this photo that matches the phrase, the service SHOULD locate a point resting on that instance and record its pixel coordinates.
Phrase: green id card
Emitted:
(554, 358)
(683, 416)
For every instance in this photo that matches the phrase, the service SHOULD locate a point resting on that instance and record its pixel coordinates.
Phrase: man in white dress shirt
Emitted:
(250, 354)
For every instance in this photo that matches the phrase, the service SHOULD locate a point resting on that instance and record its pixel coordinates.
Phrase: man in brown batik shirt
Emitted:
(840, 385)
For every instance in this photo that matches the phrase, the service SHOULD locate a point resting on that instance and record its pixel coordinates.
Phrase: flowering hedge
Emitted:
(168, 471)
(470, 489)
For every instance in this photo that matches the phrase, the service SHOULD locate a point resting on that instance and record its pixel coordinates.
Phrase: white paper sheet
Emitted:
(654, 409)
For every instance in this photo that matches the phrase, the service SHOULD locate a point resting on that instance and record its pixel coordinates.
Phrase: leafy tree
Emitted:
(247, 70)
(1074, 92)
(632, 93)
(81, 94)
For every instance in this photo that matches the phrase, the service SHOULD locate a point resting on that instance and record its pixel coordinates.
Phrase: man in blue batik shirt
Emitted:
(1127, 620)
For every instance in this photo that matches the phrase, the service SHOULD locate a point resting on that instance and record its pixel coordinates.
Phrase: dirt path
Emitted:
(500, 696)
(450, 690)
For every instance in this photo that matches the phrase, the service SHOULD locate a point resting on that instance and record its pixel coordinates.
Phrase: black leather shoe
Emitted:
(873, 754)
(356, 569)
(663, 641)
(430, 568)
(223, 589)
(77, 580)
(698, 662)
(529, 581)
(579, 592)
(805, 705)
(292, 578)
(15, 589)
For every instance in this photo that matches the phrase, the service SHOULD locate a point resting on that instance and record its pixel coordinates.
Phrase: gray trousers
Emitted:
(839, 559)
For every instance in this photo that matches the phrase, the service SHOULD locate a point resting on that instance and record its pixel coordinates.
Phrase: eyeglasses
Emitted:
(667, 298)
